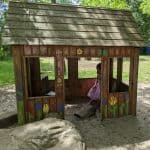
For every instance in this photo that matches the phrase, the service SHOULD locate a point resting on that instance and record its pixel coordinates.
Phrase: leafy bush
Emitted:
(2, 53)
(3, 49)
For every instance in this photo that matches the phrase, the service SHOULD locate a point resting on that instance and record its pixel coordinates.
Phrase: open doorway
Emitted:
(82, 75)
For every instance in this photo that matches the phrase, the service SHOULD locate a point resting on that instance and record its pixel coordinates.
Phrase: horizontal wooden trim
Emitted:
(67, 8)
(67, 27)
(64, 14)
(73, 42)
(71, 35)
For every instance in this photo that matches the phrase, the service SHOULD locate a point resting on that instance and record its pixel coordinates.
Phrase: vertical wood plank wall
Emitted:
(18, 70)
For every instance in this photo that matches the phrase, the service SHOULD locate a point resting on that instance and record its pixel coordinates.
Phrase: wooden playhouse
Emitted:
(44, 30)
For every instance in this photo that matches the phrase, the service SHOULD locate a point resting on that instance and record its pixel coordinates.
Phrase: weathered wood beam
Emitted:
(18, 70)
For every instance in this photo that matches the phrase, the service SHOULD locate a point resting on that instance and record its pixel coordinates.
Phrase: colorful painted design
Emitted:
(79, 51)
(19, 94)
(113, 105)
(20, 108)
(121, 108)
(45, 108)
(38, 106)
(105, 53)
(59, 81)
(60, 107)
(126, 103)
(112, 101)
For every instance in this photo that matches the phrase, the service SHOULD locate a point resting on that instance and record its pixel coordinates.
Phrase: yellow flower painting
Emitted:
(79, 51)
(113, 100)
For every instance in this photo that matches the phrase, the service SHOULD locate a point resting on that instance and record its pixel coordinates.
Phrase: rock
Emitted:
(48, 134)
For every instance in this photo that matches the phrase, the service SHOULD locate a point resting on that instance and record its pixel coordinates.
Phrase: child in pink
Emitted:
(94, 94)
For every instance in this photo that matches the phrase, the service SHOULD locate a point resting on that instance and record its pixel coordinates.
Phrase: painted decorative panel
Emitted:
(46, 107)
(20, 110)
(113, 105)
(118, 104)
(38, 110)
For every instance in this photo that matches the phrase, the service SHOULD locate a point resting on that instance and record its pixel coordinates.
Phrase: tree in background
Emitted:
(140, 9)
(3, 50)
(145, 6)
(121, 4)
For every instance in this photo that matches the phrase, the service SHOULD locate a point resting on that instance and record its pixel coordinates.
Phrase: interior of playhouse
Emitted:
(79, 76)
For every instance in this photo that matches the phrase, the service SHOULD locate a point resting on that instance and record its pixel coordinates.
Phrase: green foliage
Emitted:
(3, 53)
(6, 72)
(119, 4)
(141, 18)
(64, 1)
(140, 9)
(145, 6)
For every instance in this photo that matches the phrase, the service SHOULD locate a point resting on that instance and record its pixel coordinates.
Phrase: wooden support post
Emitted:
(134, 60)
(104, 87)
(119, 71)
(59, 85)
(18, 70)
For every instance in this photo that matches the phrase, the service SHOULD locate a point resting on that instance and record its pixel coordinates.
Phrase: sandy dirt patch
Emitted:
(127, 133)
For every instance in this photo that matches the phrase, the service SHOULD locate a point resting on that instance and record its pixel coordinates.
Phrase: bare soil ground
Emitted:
(127, 133)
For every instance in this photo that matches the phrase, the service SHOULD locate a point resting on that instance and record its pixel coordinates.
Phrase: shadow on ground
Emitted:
(127, 133)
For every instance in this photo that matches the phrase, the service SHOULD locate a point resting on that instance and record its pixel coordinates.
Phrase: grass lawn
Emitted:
(86, 69)
(6, 72)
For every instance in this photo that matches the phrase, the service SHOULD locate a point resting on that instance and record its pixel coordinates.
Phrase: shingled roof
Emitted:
(53, 24)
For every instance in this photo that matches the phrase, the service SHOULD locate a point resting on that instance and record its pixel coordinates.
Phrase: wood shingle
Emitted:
(49, 24)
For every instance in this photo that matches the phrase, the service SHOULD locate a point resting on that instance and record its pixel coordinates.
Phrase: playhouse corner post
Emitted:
(59, 83)
(134, 62)
(18, 71)
(104, 87)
